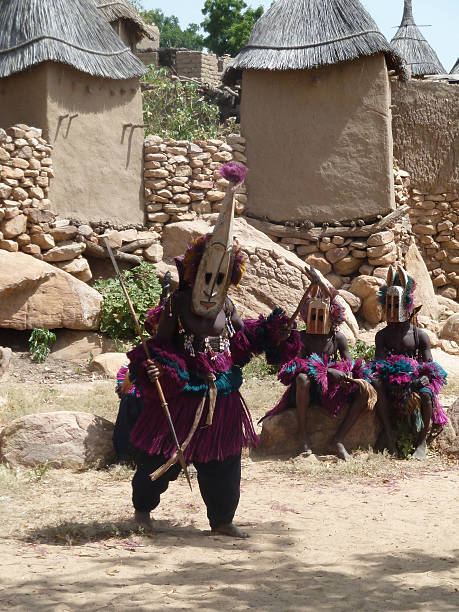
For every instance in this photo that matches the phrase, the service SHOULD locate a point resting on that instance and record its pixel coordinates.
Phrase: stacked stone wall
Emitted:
(434, 218)
(182, 179)
(28, 224)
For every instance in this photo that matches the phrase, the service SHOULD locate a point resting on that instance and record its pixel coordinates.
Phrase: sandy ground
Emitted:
(384, 544)
(382, 538)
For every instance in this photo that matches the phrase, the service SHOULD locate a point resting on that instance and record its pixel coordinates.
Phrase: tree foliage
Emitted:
(172, 109)
(170, 32)
(228, 24)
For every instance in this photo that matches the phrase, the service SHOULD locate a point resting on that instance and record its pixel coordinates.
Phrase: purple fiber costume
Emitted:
(183, 383)
(332, 396)
(215, 448)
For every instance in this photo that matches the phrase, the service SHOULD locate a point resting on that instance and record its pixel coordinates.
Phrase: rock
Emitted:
(154, 253)
(384, 260)
(354, 301)
(336, 254)
(448, 292)
(32, 249)
(108, 364)
(279, 432)
(433, 339)
(58, 439)
(44, 241)
(78, 267)
(447, 303)
(5, 357)
(363, 286)
(9, 245)
(380, 238)
(379, 251)
(346, 266)
(273, 277)
(319, 263)
(335, 280)
(67, 232)
(450, 329)
(80, 346)
(381, 273)
(449, 346)
(424, 294)
(64, 253)
(372, 309)
(14, 227)
(36, 294)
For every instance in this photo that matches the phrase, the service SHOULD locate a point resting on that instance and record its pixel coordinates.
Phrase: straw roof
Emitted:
(455, 68)
(122, 10)
(421, 59)
(303, 34)
(73, 33)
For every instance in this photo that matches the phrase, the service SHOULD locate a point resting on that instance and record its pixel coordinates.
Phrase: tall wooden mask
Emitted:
(214, 273)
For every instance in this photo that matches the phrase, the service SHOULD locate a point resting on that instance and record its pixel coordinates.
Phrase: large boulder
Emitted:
(273, 276)
(424, 294)
(279, 432)
(36, 294)
(450, 329)
(80, 346)
(108, 364)
(58, 439)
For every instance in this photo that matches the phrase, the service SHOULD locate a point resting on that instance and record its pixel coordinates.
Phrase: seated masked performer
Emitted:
(405, 377)
(200, 345)
(317, 375)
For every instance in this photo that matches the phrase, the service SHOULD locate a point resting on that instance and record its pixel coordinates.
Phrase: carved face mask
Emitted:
(318, 319)
(214, 273)
(395, 311)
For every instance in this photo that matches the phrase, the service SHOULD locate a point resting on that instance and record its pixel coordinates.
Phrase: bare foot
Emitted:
(230, 530)
(305, 448)
(143, 519)
(421, 451)
(342, 452)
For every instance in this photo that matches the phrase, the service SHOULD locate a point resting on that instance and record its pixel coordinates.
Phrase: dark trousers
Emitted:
(219, 483)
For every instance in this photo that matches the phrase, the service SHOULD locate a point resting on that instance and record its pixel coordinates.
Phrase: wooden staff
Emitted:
(162, 399)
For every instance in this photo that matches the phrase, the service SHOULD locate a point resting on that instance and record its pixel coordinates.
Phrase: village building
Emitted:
(128, 24)
(64, 70)
(421, 59)
(315, 111)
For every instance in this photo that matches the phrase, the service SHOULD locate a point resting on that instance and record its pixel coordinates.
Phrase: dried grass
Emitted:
(304, 34)
(408, 42)
(96, 398)
(73, 33)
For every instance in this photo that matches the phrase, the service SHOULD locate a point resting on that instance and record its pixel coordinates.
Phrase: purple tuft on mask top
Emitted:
(232, 172)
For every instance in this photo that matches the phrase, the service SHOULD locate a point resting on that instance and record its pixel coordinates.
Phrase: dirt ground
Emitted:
(373, 534)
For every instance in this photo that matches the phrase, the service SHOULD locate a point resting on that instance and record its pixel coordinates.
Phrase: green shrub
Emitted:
(363, 350)
(39, 344)
(172, 109)
(144, 290)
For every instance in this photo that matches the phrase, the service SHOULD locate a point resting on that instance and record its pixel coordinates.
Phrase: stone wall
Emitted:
(182, 179)
(28, 224)
(434, 217)
(203, 67)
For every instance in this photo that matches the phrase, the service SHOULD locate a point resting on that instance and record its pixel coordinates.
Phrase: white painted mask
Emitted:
(214, 273)
(395, 311)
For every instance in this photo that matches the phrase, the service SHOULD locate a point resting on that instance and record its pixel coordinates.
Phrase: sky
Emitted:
(441, 15)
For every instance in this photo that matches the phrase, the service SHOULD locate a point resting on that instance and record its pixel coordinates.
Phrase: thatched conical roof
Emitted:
(73, 33)
(455, 68)
(114, 10)
(421, 59)
(303, 34)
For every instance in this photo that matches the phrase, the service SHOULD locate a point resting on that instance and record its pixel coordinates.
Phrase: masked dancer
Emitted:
(406, 378)
(198, 350)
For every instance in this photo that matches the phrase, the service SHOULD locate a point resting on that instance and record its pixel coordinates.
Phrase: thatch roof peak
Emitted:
(455, 68)
(123, 10)
(73, 33)
(421, 59)
(407, 18)
(303, 34)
